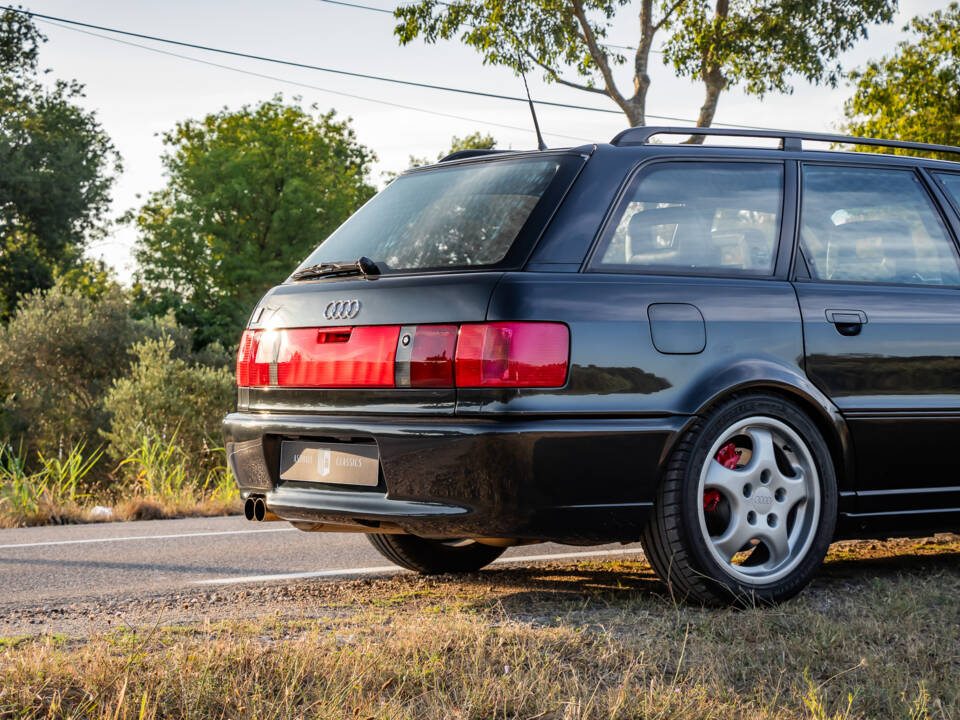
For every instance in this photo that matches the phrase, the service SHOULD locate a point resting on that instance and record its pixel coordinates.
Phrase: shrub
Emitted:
(166, 404)
(59, 356)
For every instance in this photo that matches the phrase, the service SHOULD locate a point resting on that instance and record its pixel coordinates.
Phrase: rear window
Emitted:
(455, 217)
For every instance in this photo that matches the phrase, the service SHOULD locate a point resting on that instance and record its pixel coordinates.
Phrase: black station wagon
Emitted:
(733, 354)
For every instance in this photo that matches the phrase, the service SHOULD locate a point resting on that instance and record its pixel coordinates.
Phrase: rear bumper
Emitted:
(566, 479)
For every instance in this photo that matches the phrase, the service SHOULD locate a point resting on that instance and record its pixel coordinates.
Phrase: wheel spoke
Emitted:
(795, 488)
(777, 542)
(723, 478)
(732, 541)
(763, 456)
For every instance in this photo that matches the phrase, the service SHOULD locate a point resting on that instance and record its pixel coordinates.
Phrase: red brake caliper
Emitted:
(729, 458)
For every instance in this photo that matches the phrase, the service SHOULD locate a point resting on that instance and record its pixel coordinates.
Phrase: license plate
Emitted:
(338, 463)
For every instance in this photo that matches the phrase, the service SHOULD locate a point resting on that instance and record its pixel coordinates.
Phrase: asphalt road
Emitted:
(87, 562)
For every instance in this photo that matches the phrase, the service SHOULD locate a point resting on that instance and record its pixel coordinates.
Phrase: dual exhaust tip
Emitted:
(255, 509)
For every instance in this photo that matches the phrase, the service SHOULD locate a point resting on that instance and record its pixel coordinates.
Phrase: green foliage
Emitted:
(167, 402)
(56, 169)
(19, 44)
(757, 44)
(474, 141)
(760, 45)
(162, 470)
(250, 194)
(914, 93)
(43, 495)
(92, 278)
(59, 355)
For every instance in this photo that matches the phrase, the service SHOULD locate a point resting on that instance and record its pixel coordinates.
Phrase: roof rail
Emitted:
(789, 140)
(475, 152)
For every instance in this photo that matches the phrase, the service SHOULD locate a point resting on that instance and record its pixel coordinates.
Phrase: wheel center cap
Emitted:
(762, 500)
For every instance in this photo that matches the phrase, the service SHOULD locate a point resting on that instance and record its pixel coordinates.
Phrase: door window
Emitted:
(873, 225)
(690, 217)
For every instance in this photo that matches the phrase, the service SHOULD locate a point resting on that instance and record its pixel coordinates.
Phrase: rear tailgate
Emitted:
(382, 304)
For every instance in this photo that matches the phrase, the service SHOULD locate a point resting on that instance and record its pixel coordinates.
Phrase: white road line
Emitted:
(394, 569)
(145, 537)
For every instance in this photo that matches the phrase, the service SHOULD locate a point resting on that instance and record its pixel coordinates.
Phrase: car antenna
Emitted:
(541, 145)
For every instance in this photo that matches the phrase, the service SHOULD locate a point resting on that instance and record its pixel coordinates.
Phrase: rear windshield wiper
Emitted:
(361, 266)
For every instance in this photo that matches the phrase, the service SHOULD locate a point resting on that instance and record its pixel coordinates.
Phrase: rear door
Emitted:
(881, 319)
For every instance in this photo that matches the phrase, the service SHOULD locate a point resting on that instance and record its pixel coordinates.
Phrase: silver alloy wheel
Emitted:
(768, 507)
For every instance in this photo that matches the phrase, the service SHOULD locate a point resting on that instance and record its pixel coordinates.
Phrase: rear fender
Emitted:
(762, 374)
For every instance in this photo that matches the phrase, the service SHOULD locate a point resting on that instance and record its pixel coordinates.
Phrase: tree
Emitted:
(913, 94)
(250, 193)
(474, 141)
(56, 169)
(755, 44)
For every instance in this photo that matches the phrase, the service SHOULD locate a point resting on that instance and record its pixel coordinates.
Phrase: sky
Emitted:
(138, 94)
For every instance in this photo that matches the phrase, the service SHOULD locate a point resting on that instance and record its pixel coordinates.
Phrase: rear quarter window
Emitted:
(697, 217)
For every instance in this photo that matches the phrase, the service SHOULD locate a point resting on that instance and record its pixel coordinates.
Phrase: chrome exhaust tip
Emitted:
(248, 508)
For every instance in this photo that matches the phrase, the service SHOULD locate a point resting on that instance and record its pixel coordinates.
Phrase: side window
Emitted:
(712, 217)
(873, 225)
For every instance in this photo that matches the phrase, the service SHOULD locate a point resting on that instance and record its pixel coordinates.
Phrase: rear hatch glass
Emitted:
(478, 214)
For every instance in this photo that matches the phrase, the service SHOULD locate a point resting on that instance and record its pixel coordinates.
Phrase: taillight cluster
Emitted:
(500, 354)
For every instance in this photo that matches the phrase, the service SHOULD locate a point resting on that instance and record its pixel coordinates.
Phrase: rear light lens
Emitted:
(512, 355)
(337, 357)
(253, 358)
(507, 354)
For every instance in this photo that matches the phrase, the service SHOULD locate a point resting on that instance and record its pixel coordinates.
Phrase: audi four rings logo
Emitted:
(342, 309)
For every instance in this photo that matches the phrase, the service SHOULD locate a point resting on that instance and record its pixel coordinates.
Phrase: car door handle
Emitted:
(847, 322)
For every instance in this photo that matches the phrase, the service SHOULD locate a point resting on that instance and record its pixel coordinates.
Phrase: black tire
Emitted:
(433, 557)
(680, 548)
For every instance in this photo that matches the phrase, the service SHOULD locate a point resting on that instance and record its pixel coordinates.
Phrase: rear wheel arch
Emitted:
(771, 378)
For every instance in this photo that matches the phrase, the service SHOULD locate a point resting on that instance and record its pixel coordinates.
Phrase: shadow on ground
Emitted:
(615, 583)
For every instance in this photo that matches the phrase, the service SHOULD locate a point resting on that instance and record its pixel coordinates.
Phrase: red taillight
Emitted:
(243, 358)
(337, 357)
(505, 354)
(512, 355)
(253, 359)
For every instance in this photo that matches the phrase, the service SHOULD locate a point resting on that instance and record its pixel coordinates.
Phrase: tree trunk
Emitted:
(637, 113)
(634, 112)
(714, 82)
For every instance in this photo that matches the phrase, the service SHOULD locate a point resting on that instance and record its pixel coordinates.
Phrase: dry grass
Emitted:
(877, 636)
(132, 508)
(145, 508)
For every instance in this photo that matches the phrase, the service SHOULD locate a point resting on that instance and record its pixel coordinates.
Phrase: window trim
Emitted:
(916, 170)
(946, 200)
(608, 226)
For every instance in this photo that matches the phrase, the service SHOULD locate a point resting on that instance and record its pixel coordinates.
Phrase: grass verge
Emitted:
(157, 482)
(877, 636)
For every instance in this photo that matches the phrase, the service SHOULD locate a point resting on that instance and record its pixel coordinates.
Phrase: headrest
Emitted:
(644, 220)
